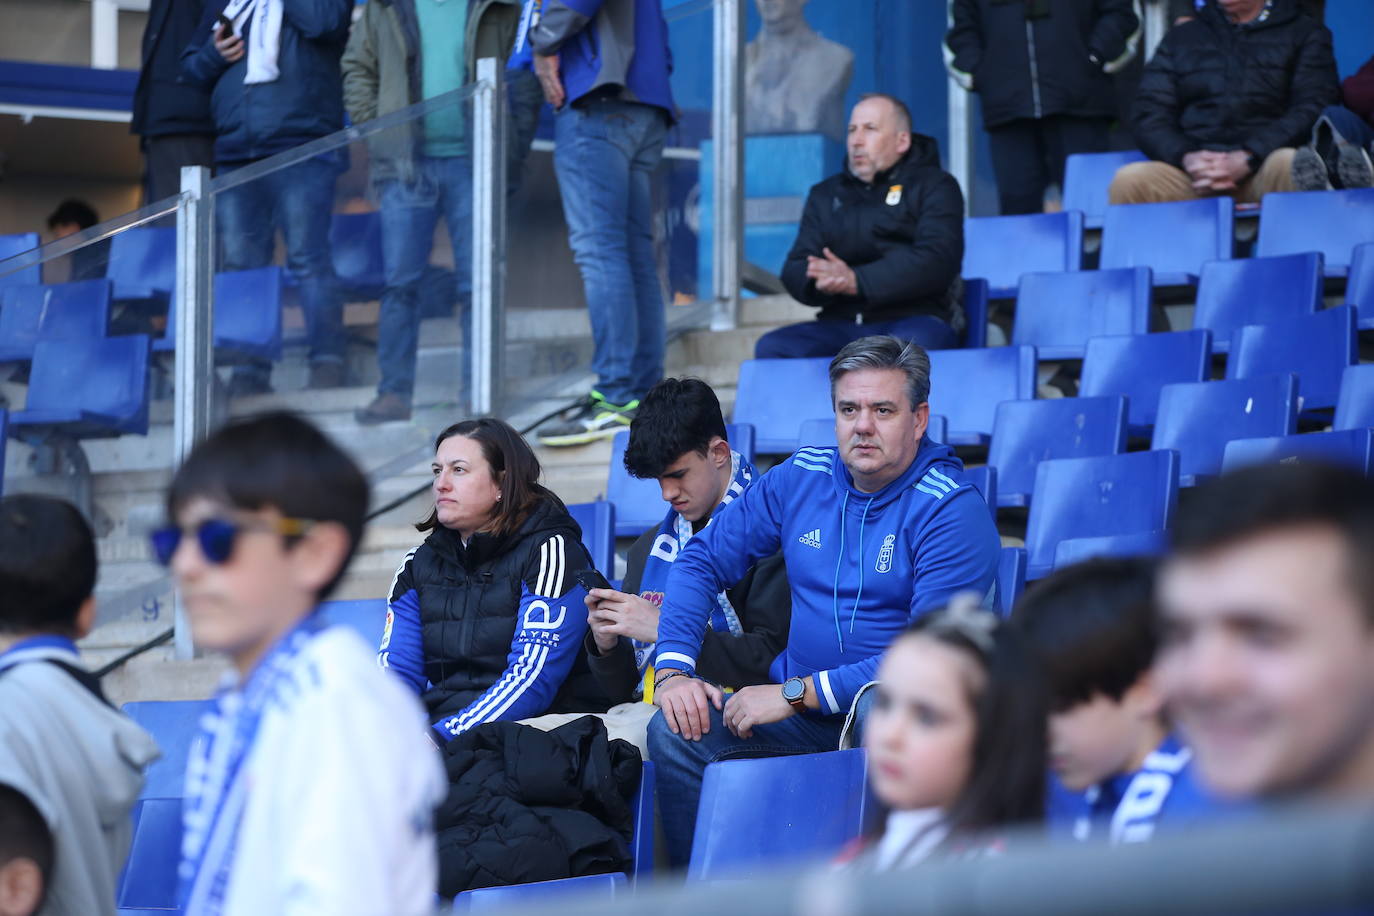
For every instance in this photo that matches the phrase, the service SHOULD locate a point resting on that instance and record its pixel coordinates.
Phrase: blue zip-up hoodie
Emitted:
(862, 566)
(617, 43)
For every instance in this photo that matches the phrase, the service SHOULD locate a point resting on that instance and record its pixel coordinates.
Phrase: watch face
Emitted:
(793, 689)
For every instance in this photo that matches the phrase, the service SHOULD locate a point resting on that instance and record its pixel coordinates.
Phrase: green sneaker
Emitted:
(596, 419)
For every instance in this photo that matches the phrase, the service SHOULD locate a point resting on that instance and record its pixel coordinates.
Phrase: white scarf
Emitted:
(264, 38)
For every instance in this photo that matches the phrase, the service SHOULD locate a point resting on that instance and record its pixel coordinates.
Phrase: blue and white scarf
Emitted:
(216, 788)
(673, 535)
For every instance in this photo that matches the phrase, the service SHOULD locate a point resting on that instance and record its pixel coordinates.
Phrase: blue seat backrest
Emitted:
(1355, 405)
(1138, 366)
(18, 243)
(967, 385)
(1057, 312)
(776, 395)
(1135, 544)
(29, 314)
(597, 521)
(1349, 447)
(540, 893)
(802, 807)
(1091, 497)
(149, 879)
(1000, 249)
(1011, 578)
(642, 844)
(1087, 176)
(983, 478)
(1199, 418)
(1331, 222)
(1028, 432)
(4, 438)
(356, 244)
(1359, 285)
(364, 616)
(976, 294)
(638, 501)
(1172, 239)
(106, 377)
(1232, 294)
(143, 263)
(173, 724)
(247, 314)
(1317, 347)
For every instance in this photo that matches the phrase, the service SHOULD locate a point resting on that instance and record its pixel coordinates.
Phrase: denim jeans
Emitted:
(1349, 125)
(606, 152)
(299, 200)
(409, 214)
(826, 338)
(680, 764)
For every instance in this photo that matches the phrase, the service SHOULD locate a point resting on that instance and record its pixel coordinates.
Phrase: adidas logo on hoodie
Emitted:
(812, 538)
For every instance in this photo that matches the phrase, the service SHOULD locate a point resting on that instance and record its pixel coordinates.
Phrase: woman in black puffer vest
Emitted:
(485, 618)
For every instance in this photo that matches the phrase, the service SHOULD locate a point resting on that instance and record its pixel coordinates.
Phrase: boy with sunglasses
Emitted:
(311, 787)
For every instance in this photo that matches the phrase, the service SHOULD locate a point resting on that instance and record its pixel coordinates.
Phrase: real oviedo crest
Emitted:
(885, 554)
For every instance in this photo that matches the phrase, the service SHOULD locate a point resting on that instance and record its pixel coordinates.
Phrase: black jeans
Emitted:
(1028, 156)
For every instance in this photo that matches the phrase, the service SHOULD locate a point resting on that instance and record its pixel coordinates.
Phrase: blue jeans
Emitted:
(826, 338)
(606, 153)
(409, 213)
(680, 764)
(1349, 125)
(300, 201)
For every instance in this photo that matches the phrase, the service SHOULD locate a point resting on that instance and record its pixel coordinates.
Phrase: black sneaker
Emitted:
(1353, 166)
(596, 419)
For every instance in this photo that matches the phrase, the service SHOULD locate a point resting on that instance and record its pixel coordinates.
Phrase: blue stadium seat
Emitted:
(1135, 544)
(777, 395)
(355, 241)
(1359, 284)
(1317, 347)
(984, 480)
(802, 807)
(967, 385)
(1057, 313)
(1087, 176)
(1138, 366)
(976, 312)
(642, 846)
(29, 314)
(247, 315)
(1011, 579)
(1350, 447)
(1092, 497)
(1232, 294)
(4, 437)
(88, 388)
(149, 879)
(18, 243)
(1000, 249)
(143, 263)
(1199, 418)
(597, 521)
(1172, 239)
(1355, 404)
(1331, 222)
(581, 890)
(638, 503)
(1028, 432)
(173, 725)
(365, 616)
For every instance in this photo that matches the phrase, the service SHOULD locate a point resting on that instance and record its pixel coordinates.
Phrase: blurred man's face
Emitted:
(1267, 665)
(775, 12)
(62, 230)
(875, 144)
(1241, 10)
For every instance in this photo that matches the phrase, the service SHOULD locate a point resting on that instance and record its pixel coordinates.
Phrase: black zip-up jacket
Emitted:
(1213, 85)
(903, 235)
(1027, 62)
(162, 103)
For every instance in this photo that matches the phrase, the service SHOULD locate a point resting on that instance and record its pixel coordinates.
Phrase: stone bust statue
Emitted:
(795, 80)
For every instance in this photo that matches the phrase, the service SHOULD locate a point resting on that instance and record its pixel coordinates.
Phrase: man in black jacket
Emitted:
(1042, 71)
(171, 117)
(1226, 99)
(880, 244)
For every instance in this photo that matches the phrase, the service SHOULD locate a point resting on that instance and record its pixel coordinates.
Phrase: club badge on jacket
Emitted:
(894, 195)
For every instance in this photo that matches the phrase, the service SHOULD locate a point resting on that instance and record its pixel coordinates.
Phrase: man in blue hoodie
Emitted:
(604, 65)
(874, 534)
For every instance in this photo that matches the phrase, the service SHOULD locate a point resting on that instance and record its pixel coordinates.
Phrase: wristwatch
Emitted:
(794, 692)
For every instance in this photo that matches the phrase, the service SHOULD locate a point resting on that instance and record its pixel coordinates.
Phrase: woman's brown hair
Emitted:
(513, 465)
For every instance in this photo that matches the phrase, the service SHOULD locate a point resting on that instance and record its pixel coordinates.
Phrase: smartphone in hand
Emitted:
(590, 579)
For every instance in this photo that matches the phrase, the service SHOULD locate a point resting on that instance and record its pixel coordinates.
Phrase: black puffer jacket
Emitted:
(1028, 63)
(526, 805)
(903, 235)
(1213, 85)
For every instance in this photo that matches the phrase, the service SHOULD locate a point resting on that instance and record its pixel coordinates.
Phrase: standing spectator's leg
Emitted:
(163, 158)
(525, 100)
(809, 339)
(927, 330)
(247, 232)
(306, 206)
(646, 366)
(1150, 182)
(1018, 161)
(1275, 174)
(456, 191)
(1066, 135)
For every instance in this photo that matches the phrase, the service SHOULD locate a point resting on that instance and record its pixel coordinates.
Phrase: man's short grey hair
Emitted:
(899, 109)
(883, 351)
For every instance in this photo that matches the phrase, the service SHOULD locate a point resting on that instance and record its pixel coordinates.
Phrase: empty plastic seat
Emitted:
(18, 243)
(355, 241)
(4, 437)
(1331, 222)
(642, 844)
(777, 395)
(597, 521)
(1317, 347)
(1136, 544)
(1173, 239)
(1092, 497)
(87, 388)
(584, 889)
(143, 263)
(639, 503)
(976, 294)
(1087, 176)
(983, 478)
(1232, 294)
(1011, 578)
(802, 807)
(149, 879)
(1359, 284)
(1199, 418)
(364, 616)
(1349, 447)
(29, 314)
(967, 385)
(1138, 366)
(247, 315)
(1028, 432)
(1000, 249)
(173, 725)
(1355, 404)
(1057, 313)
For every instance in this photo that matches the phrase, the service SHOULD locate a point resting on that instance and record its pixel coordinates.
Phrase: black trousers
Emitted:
(1028, 156)
(163, 158)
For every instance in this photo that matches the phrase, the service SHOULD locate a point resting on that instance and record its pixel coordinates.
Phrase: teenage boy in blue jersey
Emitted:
(874, 534)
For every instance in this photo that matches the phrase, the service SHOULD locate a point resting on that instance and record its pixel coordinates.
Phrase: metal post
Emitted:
(960, 144)
(727, 130)
(104, 34)
(488, 235)
(195, 358)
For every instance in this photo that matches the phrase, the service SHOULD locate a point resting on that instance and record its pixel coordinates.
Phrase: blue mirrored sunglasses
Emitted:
(216, 536)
